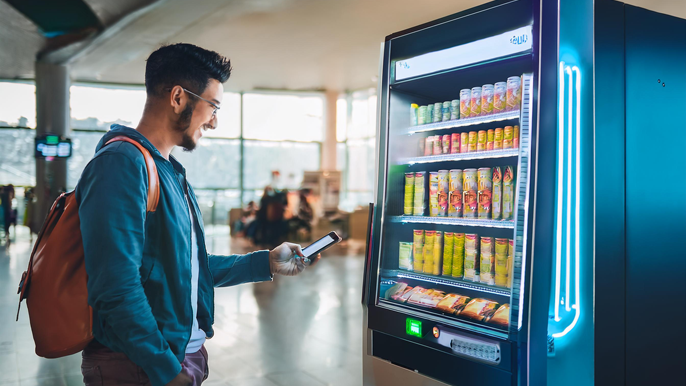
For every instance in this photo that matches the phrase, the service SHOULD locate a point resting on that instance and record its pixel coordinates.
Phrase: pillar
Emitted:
(328, 160)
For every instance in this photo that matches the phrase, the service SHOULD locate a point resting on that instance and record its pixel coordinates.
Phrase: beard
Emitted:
(183, 126)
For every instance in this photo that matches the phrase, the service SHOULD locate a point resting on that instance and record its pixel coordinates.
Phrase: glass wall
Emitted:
(280, 132)
(356, 133)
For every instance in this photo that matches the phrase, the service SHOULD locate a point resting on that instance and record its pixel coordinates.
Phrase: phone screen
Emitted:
(320, 245)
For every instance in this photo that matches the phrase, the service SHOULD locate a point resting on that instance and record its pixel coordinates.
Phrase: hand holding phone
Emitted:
(320, 245)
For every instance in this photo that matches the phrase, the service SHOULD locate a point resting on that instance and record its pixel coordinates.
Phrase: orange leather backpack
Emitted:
(55, 283)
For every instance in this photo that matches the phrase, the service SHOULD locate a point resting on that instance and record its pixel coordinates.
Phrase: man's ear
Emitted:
(177, 99)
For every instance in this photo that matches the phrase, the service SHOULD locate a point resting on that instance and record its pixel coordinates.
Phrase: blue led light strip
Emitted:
(568, 196)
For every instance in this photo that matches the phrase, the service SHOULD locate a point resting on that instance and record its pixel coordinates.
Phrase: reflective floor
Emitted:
(303, 331)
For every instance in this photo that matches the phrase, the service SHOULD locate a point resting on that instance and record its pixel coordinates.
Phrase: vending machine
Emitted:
(480, 202)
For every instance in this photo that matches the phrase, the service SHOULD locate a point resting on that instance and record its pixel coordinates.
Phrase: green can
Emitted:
(429, 113)
(421, 115)
(455, 109)
(446, 111)
(438, 112)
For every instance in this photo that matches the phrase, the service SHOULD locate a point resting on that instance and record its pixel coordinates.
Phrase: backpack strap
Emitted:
(153, 178)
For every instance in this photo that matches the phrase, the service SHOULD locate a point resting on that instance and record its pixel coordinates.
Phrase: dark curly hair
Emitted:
(186, 65)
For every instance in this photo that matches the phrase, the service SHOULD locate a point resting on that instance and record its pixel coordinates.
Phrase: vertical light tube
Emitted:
(560, 176)
(577, 233)
(568, 256)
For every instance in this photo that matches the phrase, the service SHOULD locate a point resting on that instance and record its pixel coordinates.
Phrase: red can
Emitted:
(455, 143)
(438, 147)
(446, 144)
(428, 145)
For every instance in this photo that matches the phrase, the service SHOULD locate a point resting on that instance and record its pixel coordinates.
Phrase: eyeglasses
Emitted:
(216, 107)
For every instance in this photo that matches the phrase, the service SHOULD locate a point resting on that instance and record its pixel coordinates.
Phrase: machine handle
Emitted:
(368, 254)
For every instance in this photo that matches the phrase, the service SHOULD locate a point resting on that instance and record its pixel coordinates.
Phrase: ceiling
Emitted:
(273, 44)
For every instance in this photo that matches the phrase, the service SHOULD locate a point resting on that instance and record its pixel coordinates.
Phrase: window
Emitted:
(97, 107)
(17, 165)
(283, 117)
(228, 118)
(290, 159)
(18, 101)
(214, 164)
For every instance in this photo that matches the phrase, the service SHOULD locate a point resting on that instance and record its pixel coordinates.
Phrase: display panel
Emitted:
(455, 195)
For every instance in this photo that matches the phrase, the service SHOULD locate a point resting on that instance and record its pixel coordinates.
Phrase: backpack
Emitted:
(55, 282)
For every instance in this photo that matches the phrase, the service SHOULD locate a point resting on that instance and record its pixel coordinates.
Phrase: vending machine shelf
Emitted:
(449, 281)
(508, 115)
(463, 156)
(474, 222)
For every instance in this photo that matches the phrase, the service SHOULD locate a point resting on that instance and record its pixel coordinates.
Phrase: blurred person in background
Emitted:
(301, 225)
(150, 277)
(6, 197)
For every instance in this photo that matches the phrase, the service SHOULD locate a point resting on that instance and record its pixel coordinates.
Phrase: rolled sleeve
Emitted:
(238, 269)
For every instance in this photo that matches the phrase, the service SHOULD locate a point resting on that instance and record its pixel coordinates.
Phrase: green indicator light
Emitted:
(413, 327)
(52, 139)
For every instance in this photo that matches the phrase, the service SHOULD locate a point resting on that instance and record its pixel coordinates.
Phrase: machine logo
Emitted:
(519, 39)
(567, 300)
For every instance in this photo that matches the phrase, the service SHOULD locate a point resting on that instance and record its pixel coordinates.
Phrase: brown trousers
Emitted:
(101, 366)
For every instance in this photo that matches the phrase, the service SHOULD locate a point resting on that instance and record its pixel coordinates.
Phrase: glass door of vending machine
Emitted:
(448, 273)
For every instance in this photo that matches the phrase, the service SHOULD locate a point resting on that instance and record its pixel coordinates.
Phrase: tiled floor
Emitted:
(299, 331)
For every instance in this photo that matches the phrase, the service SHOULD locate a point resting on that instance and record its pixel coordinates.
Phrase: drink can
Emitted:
(473, 140)
(429, 145)
(499, 97)
(429, 114)
(487, 99)
(446, 144)
(445, 111)
(471, 265)
(482, 137)
(433, 194)
(419, 193)
(498, 139)
(508, 136)
(464, 142)
(515, 139)
(489, 139)
(418, 249)
(409, 194)
(455, 109)
(455, 208)
(514, 93)
(476, 101)
(429, 240)
(487, 268)
(438, 254)
(458, 255)
(501, 269)
(508, 192)
(448, 251)
(465, 103)
(413, 114)
(454, 143)
(497, 202)
(438, 145)
(405, 256)
(438, 112)
(421, 115)
(470, 179)
(456, 178)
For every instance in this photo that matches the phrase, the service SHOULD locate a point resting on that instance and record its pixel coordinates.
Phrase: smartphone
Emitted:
(318, 246)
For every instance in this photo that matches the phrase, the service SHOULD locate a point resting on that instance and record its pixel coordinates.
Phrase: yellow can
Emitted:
(418, 250)
(438, 254)
(429, 240)
(448, 250)
(458, 255)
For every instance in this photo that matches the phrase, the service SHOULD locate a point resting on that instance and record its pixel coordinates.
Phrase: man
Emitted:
(150, 278)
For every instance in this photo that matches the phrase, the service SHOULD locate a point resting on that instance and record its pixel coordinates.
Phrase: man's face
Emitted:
(197, 115)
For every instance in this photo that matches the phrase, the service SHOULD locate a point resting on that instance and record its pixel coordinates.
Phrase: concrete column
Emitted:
(52, 117)
(328, 161)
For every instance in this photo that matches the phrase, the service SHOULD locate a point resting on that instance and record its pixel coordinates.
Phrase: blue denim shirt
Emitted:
(139, 264)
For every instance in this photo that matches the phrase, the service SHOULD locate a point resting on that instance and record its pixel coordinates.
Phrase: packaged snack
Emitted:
(409, 194)
(452, 303)
(479, 309)
(419, 193)
(471, 265)
(418, 250)
(448, 250)
(429, 240)
(433, 194)
(438, 254)
(455, 203)
(470, 198)
(485, 193)
(396, 291)
(408, 294)
(497, 201)
(413, 114)
(508, 193)
(456, 178)
(487, 268)
(465, 103)
(510, 260)
(429, 298)
(471, 241)
(405, 256)
(501, 317)
(443, 181)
